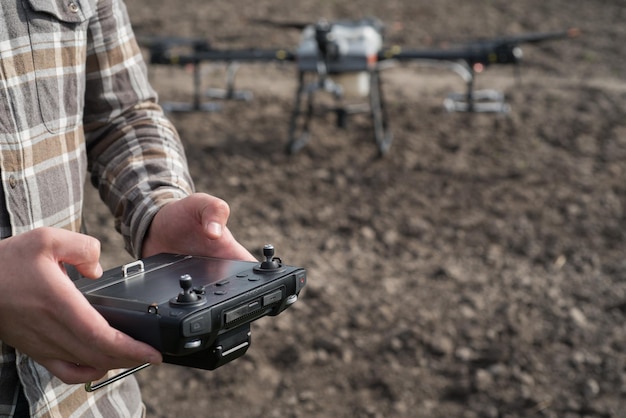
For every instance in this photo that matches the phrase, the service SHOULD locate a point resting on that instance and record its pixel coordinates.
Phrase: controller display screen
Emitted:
(160, 285)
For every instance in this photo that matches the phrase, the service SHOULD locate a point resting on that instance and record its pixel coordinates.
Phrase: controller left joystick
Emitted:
(187, 294)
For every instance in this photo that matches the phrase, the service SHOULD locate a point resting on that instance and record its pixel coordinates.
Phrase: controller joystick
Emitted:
(188, 294)
(270, 263)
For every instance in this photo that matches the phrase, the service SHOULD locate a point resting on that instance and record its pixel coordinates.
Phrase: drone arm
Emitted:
(247, 55)
(470, 54)
(504, 50)
(533, 38)
(399, 54)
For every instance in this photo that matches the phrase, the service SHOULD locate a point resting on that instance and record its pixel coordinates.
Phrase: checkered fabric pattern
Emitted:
(75, 100)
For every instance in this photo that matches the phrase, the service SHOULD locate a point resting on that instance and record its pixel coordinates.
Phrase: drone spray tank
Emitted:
(344, 52)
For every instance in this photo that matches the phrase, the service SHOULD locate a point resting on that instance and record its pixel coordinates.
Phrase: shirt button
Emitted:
(73, 7)
(12, 182)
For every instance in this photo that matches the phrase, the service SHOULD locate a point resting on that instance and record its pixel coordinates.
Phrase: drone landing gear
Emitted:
(229, 93)
(480, 101)
(299, 132)
(299, 125)
(198, 105)
(382, 134)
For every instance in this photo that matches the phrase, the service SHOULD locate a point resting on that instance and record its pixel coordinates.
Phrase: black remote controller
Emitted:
(195, 310)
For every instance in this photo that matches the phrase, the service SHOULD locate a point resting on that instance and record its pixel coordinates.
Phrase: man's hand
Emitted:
(44, 315)
(195, 225)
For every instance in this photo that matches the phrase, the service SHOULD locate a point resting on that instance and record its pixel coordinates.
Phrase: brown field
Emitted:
(477, 270)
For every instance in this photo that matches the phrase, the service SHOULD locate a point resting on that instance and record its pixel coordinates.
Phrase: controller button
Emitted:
(193, 344)
(273, 297)
(301, 280)
(254, 279)
(222, 282)
(196, 324)
(241, 275)
(220, 292)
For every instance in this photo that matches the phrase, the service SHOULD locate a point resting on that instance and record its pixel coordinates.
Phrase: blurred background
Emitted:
(476, 270)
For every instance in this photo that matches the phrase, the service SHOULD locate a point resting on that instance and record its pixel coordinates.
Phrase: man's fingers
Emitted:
(213, 230)
(114, 350)
(121, 350)
(71, 373)
(236, 250)
(79, 250)
(83, 336)
(106, 347)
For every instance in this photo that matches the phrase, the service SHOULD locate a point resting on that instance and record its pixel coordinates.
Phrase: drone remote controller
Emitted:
(195, 310)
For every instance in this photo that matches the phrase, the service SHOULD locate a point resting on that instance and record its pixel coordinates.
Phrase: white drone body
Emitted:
(345, 51)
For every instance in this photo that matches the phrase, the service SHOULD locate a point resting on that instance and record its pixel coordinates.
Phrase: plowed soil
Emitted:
(477, 270)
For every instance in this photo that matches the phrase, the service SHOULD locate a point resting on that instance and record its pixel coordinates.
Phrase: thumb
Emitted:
(214, 215)
(78, 250)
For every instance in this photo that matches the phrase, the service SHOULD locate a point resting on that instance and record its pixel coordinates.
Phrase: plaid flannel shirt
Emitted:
(74, 98)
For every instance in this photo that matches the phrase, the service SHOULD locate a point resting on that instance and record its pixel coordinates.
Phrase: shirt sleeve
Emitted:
(135, 156)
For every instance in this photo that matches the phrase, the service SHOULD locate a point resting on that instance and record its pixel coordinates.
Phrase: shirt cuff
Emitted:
(144, 213)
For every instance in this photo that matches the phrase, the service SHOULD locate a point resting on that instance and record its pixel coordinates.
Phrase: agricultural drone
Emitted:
(345, 59)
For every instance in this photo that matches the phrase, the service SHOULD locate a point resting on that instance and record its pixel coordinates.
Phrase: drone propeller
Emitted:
(531, 38)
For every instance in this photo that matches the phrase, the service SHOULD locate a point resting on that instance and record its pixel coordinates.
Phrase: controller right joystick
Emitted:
(270, 263)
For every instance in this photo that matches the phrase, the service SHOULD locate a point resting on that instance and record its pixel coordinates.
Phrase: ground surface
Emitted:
(477, 270)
